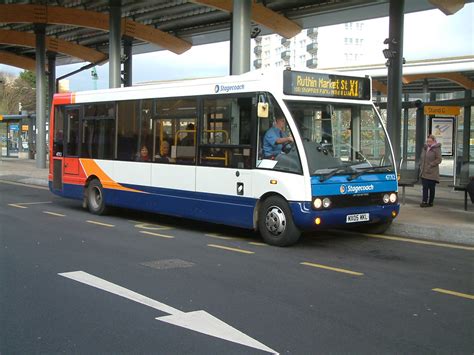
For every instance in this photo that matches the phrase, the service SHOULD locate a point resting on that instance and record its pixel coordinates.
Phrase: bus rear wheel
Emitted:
(276, 224)
(95, 198)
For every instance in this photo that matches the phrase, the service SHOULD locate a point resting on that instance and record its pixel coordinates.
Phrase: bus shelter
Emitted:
(16, 136)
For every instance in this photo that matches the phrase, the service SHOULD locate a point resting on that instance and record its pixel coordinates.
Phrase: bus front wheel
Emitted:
(276, 224)
(95, 198)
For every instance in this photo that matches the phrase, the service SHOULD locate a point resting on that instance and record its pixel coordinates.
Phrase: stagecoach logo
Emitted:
(227, 88)
(355, 188)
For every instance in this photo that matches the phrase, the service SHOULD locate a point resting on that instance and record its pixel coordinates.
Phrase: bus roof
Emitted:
(259, 80)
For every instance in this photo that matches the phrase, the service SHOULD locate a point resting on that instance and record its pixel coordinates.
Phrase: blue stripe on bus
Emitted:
(304, 216)
(69, 190)
(339, 185)
(222, 209)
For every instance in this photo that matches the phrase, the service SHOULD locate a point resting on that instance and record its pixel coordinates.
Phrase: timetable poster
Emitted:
(443, 129)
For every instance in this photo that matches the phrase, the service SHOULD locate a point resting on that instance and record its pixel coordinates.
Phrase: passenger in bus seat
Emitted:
(143, 154)
(164, 156)
(275, 138)
(188, 139)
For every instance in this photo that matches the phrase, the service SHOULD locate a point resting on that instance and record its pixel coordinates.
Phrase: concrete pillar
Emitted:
(40, 96)
(466, 136)
(240, 40)
(394, 96)
(51, 78)
(127, 64)
(115, 14)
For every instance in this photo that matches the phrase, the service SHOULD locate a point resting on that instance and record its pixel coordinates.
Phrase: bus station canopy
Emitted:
(77, 30)
(439, 75)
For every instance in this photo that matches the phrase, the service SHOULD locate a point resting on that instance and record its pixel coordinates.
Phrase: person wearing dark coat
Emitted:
(429, 170)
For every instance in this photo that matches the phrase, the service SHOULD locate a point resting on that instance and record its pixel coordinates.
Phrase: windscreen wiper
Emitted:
(341, 169)
(375, 169)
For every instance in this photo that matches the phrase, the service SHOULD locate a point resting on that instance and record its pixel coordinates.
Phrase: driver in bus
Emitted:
(275, 138)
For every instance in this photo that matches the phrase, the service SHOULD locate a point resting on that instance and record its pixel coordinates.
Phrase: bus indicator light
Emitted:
(394, 214)
(317, 221)
(273, 182)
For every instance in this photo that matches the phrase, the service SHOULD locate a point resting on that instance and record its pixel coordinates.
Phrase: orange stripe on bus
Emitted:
(64, 98)
(92, 168)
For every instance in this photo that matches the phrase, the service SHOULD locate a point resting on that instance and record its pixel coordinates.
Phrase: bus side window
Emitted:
(175, 131)
(288, 158)
(72, 134)
(58, 131)
(226, 132)
(128, 129)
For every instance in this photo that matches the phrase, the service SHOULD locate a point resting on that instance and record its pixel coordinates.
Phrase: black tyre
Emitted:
(378, 228)
(95, 198)
(275, 222)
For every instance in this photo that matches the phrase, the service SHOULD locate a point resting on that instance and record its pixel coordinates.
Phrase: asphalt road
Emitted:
(332, 293)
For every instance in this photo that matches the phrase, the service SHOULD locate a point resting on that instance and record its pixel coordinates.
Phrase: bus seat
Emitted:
(180, 152)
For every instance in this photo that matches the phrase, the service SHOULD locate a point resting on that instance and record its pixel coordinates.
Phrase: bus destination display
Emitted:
(325, 85)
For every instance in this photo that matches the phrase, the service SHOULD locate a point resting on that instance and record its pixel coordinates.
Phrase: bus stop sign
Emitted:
(442, 110)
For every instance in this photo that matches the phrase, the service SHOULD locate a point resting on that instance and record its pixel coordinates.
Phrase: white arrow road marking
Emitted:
(198, 321)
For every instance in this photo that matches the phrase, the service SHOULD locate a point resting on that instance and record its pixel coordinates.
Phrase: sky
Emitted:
(427, 35)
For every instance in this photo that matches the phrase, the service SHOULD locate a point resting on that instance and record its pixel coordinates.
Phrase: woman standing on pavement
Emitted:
(429, 169)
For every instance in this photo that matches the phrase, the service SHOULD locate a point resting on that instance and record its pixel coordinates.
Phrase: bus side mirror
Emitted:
(262, 110)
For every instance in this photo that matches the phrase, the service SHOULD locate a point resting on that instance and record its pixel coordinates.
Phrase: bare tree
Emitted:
(14, 91)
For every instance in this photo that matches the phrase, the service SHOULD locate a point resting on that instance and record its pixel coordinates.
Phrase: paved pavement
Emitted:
(445, 222)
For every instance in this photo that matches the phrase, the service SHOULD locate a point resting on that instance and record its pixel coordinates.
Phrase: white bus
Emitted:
(212, 150)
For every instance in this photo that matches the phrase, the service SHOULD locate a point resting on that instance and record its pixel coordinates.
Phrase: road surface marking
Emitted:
(16, 205)
(454, 293)
(333, 269)
(198, 321)
(418, 241)
(34, 203)
(54, 214)
(218, 236)
(100, 223)
(24, 204)
(24, 185)
(259, 244)
(157, 234)
(150, 226)
(231, 249)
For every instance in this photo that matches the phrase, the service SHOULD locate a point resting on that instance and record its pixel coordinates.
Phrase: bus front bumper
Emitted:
(307, 219)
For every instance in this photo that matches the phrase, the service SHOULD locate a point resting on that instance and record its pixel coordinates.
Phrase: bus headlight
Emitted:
(326, 202)
(317, 203)
(393, 197)
(386, 198)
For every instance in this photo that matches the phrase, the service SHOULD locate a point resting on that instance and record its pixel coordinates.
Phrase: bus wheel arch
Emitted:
(94, 196)
(275, 221)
